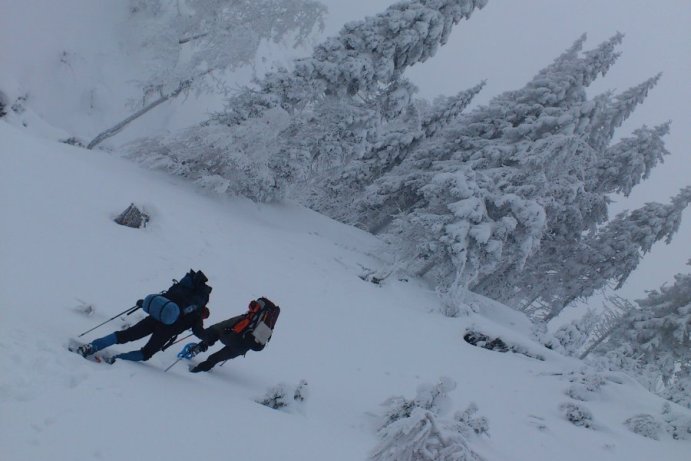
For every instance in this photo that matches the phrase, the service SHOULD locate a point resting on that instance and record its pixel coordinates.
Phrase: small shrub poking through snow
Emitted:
(676, 425)
(644, 425)
(469, 423)
(422, 436)
(576, 414)
(283, 396)
(429, 397)
(74, 141)
(584, 385)
(478, 339)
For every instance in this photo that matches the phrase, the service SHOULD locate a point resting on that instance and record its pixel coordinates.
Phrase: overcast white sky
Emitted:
(508, 41)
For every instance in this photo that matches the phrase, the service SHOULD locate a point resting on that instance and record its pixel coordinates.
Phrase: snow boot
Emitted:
(85, 350)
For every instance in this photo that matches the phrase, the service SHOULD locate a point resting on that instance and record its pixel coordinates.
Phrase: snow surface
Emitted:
(355, 343)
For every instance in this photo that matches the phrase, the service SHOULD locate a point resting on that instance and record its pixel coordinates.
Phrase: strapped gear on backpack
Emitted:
(188, 295)
(259, 320)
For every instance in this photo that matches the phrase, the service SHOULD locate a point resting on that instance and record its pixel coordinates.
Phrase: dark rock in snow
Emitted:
(133, 217)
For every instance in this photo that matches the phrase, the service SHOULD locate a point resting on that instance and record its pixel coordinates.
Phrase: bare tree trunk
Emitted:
(119, 127)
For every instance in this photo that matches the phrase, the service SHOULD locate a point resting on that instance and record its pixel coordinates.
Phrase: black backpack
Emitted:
(190, 293)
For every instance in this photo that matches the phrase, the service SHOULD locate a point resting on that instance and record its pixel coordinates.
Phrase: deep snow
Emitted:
(355, 343)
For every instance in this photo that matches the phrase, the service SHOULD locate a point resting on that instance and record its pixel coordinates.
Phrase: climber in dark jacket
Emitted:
(240, 334)
(162, 334)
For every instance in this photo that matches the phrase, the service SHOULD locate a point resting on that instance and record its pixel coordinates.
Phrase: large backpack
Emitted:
(259, 320)
(188, 295)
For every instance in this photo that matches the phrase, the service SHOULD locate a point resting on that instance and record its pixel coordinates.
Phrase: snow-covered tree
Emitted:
(325, 113)
(620, 244)
(605, 256)
(365, 55)
(474, 202)
(654, 342)
(576, 198)
(187, 39)
(509, 200)
(342, 194)
(631, 160)
(188, 45)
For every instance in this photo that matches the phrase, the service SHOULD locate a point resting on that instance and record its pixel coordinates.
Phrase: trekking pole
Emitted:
(177, 341)
(168, 344)
(172, 365)
(127, 311)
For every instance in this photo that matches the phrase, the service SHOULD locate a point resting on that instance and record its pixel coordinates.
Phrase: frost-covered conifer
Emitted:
(190, 45)
(364, 55)
(325, 113)
(631, 160)
(565, 267)
(344, 194)
(611, 253)
(654, 342)
(185, 40)
(478, 197)
(613, 111)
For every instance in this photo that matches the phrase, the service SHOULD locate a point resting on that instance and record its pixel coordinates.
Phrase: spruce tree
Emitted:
(654, 342)
(364, 56)
(475, 200)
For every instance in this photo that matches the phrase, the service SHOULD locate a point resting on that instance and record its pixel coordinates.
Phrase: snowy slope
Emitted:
(355, 343)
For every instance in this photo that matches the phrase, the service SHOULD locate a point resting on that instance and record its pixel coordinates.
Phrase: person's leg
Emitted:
(96, 345)
(226, 353)
(159, 337)
(137, 331)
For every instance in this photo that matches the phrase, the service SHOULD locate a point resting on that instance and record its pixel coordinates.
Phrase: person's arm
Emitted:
(198, 329)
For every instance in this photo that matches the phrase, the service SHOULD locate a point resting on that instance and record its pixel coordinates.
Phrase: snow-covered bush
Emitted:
(645, 425)
(571, 338)
(285, 396)
(676, 424)
(576, 414)
(453, 301)
(414, 430)
(584, 385)
(422, 437)
(469, 423)
(429, 397)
